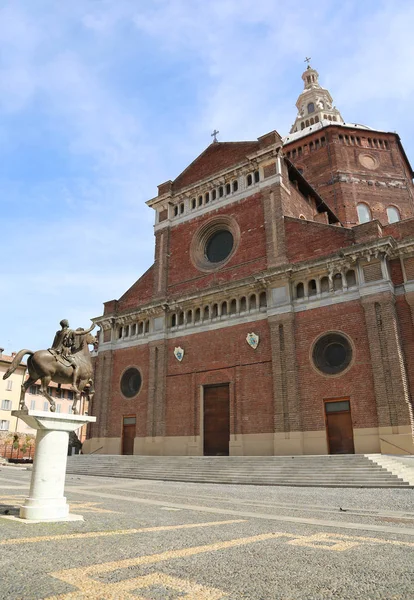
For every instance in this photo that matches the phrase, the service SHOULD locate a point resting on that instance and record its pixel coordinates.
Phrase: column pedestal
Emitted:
(46, 501)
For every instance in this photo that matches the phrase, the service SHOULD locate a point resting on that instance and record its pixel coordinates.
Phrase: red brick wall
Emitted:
(306, 240)
(249, 258)
(217, 357)
(139, 293)
(120, 406)
(356, 383)
(296, 205)
(324, 165)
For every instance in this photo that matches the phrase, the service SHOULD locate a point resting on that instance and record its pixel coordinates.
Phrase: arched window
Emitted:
(141, 325)
(316, 119)
(228, 188)
(200, 200)
(182, 208)
(207, 198)
(324, 285)
(193, 203)
(133, 329)
(206, 313)
(189, 316)
(312, 121)
(243, 304)
(235, 186)
(215, 311)
(181, 318)
(224, 308)
(175, 211)
(173, 321)
(350, 278)
(364, 214)
(233, 307)
(221, 191)
(311, 107)
(256, 176)
(263, 300)
(146, 326)
(197, 315)
(120, 332)
(337, 281)
(249, 180)
(213, 195)
(393, 214)
(312, 288)
(302, 125)
(300, 290)
(252, 302)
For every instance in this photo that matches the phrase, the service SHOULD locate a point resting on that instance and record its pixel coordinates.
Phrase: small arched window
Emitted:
(200, 200)
(146, 326)
(141, 325)
(312, 288)
(252, 302)
(206, 312)
(249, 180)
(228, 188)
(175, 211)
(207, 198)
(233, 307)
(307, 122)
(300, 290)
(364, 214)
(173, 321)
(224, 308)
(221, 191)
(337, 281)
(311, 107)
(134, 329)
(263, 300)
(324, 285)
(243, 304)
(181, 318)
(235, 186)
(256, 176)
(189, 316)
(197, 315)
(393, 214)
(302, 125)
(316, 119)
(193, 203)
(120, 332)
(215, 311)
(213, 195)
(350, 278)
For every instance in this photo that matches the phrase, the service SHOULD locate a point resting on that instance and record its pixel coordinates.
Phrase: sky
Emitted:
(102, 100)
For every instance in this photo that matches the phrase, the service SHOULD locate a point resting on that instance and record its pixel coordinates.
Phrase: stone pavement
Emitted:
(158, 540)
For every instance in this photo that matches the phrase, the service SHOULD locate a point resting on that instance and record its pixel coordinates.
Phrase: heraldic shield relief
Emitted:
(253, 340)
(179, 353)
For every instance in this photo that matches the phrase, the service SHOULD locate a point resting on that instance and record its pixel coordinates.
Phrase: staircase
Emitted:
(351, 470)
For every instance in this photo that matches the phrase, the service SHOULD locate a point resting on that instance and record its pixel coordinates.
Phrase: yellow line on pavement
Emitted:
(94, 534)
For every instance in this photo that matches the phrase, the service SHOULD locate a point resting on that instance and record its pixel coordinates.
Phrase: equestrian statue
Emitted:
(67, 361)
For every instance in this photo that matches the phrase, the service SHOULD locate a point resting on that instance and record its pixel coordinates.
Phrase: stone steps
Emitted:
(318, 471)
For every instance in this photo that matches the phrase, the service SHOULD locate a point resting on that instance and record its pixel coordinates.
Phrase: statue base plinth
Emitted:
(46, 501)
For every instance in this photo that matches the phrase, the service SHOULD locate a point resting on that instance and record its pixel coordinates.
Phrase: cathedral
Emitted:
(277, 317)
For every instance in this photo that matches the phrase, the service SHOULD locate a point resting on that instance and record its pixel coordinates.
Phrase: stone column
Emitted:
(46, 501)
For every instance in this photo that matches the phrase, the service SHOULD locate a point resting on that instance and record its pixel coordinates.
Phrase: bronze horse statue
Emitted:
(47, 366)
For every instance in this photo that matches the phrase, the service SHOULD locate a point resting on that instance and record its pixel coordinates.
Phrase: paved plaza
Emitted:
(157, 540)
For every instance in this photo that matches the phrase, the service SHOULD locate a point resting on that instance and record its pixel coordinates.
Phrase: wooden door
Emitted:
(216, 420)
(128, 435)
(339, 427)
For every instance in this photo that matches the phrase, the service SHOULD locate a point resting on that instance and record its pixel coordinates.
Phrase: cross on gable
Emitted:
(214, 135)
(307, 59)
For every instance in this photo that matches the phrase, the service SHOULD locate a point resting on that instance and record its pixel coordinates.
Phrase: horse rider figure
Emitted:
(63, 345)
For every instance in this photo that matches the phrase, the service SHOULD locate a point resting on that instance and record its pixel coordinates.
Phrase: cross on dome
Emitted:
(315, 104)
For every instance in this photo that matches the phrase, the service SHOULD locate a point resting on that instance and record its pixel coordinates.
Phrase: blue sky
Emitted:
(102, 100)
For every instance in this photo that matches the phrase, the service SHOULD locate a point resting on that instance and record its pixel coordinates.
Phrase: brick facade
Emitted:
(300, 268)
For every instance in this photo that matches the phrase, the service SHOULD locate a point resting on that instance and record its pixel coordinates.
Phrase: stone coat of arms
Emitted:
(179, 353)
(253, 340)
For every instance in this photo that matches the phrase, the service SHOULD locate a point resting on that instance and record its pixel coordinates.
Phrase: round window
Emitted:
(332, 353)
(131, 382)
(214, 243)
(219, 246)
